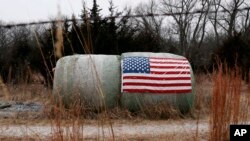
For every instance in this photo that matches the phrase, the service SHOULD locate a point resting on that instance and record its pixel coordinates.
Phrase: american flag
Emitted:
(155, 75)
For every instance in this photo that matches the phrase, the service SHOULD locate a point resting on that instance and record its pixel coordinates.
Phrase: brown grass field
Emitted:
(220, 100)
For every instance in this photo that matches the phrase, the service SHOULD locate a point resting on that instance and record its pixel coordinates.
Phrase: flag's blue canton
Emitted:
(136, 65)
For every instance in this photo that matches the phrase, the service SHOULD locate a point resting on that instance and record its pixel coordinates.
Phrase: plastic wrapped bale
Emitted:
(150, 79)
(94, 79)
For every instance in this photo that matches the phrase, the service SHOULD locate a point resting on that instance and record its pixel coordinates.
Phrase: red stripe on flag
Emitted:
(170, 67)
(156, 78)
(184, 62)
(154, 84)
(156, 91)
(174, 72)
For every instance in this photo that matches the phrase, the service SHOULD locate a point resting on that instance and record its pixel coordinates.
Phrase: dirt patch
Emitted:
(13, 109)
(124, 131)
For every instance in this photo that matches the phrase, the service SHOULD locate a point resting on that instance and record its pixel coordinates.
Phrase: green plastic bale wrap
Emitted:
(93, 79)
(150, 79)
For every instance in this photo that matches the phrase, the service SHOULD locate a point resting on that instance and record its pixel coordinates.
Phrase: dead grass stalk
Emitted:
(226, 101)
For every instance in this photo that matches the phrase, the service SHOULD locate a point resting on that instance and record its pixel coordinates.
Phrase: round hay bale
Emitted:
(93, 79)
(151, 79)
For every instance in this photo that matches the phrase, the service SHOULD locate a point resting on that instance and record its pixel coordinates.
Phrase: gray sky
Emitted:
(34, 10)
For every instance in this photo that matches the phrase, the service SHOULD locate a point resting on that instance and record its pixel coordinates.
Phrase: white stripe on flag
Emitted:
(168, 60)
(156, 81)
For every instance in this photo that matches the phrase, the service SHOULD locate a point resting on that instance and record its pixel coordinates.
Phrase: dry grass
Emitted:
(203, 95)
(29, 92)
(76, 116)
(227, 102)
(221, 98)
(4, 89)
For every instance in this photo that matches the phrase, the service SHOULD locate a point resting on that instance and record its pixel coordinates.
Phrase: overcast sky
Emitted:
(34, 10)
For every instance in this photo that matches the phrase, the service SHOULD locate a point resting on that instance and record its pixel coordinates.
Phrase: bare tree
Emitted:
(245, 21)
(215, 6)
(3, 36)
(150, 24)
(189, 27)
(227, 21)
(198, 33)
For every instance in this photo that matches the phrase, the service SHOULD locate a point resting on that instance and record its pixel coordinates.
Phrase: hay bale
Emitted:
(173, 85)
(94, 79)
